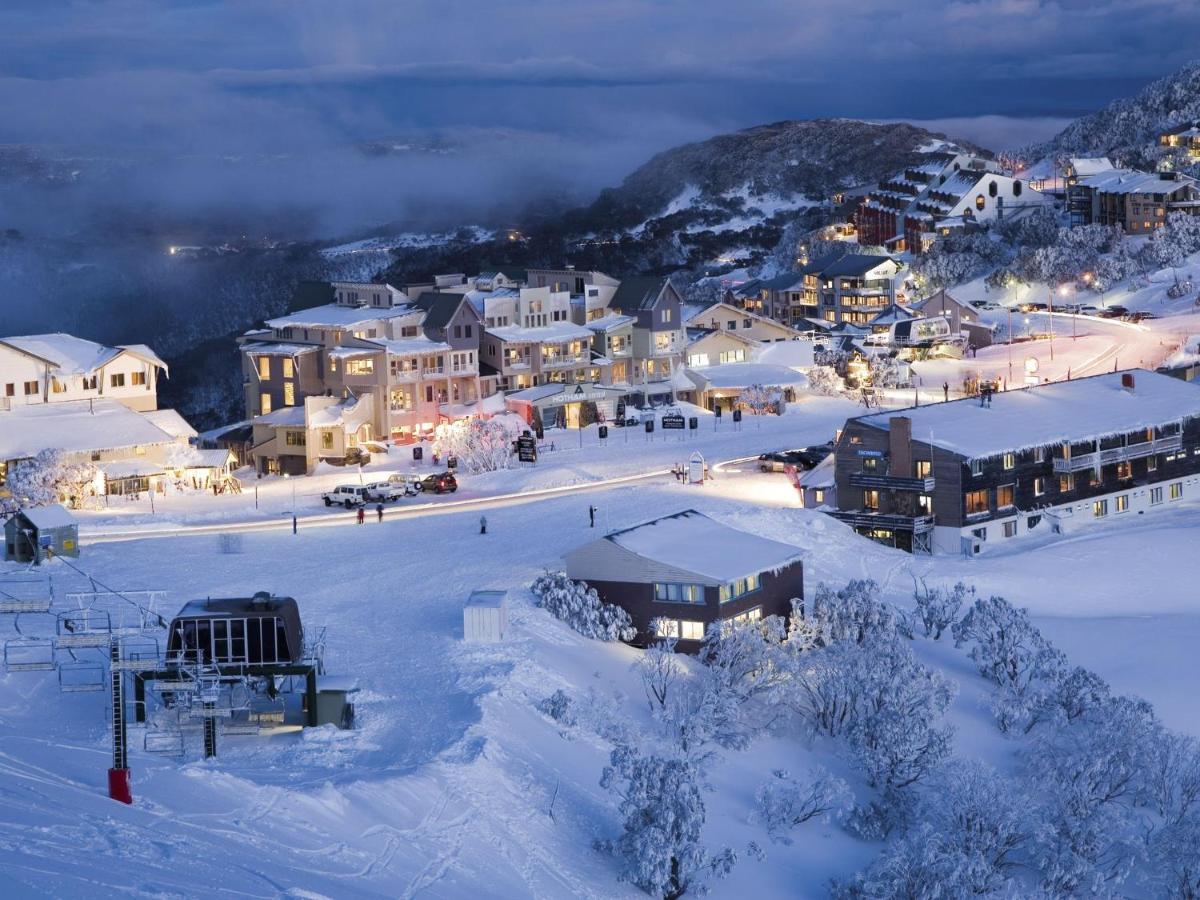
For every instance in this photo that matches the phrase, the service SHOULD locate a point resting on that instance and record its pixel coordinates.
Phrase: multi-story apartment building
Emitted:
(853, 288)
(590, 292)
(658, 338)
(954, 477)
(56, 368)
(1183, 137)
(1138, 202)
(726, 317)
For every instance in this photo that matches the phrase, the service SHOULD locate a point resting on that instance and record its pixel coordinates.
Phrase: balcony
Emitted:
(620, 352)
(891, 482)
(433, 370)
(865, 518)
(405, 374)
(552, 362)
(1082, 461)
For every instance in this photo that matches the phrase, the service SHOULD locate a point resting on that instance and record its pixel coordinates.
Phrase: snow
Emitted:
(795, 354)
(333, 316)
(1079, 410)
(54, 516)
(736, 375)
(693, 542)
(285, 415)
(609, 321)
(74, 426)
(72, 355)
(281, 349)
(171, 422)
(556, 331)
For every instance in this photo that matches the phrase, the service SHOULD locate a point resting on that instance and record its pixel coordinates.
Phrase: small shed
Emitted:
(485, 617)
(35, 533)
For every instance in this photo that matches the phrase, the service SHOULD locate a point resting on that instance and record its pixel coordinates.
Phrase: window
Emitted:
(1016, 189)
(294, 438)
(666, 315)
(1155, 496)
(977, 502)
(326, 440)
(739, 588)
(1100, 509)
(1039, 486)
(360, 366)
(1010, 529)
(137, 379)
(1124, 470)
(666, 628)
(263, 364)
(117, 380)
(993, 188)
(1033, 521)
(745, 323)
(691, 631)
(1066, 483)
(870, 464)
(678, 593)
(1176, 490)
(731, 325)
(980, 533)
(1122, 503)
(467, 330)
(264, 403)
(10, 389)
(31, 388)
(57, 386)
(871, 500)
(1004, 496)
(1151, 463)
(819, 495)
(976, 466)
(924, 468)
(289, 393)
(750, 615)
(980, 202)
(289, 367)
(458, 331)
(1010, 460)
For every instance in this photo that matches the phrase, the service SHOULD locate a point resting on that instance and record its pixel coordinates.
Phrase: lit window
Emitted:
(691, 631)
(750, 615)
(666, 628)
(326, 440)
(138, 379)
(1100, 509)
(264, 367)
(289, 368)
(678, 593)
(1066, 483)
(1010, 460)
(870, 499)
(1122, 503)
(117, 380)
(924, 468)
(1004, 496)
(977, 502)
(289, 393)
(1176, 490)
(264, 402)
(976, 466)
(1039, 486)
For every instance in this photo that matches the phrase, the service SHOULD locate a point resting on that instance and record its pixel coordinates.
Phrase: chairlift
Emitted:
(28, 655)
(83, 628)
(79, 677)
(165, 741)
(24, 606)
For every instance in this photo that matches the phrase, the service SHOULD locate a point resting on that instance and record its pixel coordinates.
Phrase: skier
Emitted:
(946, 391)
(483, 524)
(362, 515)
(379, 511)
(591, 516)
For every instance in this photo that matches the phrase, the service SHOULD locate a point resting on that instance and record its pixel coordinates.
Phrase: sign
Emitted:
(527, 448)
(649, 426)
(673, 421)
(693, 423)
(604, 432)
(45, 541)
(718, 412)
(737, 415)
(451, 463)
(874, 454)
(418, 452)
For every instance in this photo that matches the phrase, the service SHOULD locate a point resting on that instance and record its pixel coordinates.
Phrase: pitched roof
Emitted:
(74, 355)
(639, 292)
(74, 426)
(439, 308)
(1130, 181)
(47, 517)
(851, 265)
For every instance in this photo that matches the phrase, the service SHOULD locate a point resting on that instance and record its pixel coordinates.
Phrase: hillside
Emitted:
(1128, 128)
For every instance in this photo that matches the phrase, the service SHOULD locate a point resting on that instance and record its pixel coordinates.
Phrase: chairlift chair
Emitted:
(28, 655)
(78, 677)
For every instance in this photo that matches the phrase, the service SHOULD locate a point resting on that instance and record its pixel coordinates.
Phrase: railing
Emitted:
(1112, 455)
(406, 375)
(867, 519)
(891, 482)
(433, 370)
(553, 361)
(620, 351)
(463, 369)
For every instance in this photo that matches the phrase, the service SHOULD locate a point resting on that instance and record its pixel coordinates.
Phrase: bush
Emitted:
(785, 802)
(581, 608)
(938, 608)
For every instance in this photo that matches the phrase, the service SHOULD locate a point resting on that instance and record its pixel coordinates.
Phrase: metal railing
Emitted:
(1095, 460)
(861, 518)
(891, 482)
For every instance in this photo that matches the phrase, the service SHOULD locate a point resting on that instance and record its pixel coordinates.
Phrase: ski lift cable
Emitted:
(95, 581)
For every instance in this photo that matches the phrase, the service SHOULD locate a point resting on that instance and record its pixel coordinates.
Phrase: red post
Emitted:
(119, 788)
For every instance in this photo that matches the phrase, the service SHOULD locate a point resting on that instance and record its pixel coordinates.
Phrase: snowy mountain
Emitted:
(1128, 128)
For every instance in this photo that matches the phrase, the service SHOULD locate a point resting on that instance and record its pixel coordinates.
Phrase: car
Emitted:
(774, 462)
(1089, 311)
(440, 483)
(1034, 307)
(346, 495)
(1113, 312)
(386, 491)
(1140, 316)
(811, 457)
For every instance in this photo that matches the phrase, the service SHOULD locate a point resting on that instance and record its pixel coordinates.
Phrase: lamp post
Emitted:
(1050, 316)
(288, 476)
(1010, 343)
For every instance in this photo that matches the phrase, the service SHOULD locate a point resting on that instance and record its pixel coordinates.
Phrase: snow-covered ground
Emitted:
(453, 784)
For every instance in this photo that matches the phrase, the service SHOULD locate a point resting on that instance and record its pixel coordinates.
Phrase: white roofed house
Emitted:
(59, 368)
(679, 574)
(659, 338)
(1138, 202)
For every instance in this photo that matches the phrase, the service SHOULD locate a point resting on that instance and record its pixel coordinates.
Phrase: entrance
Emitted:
(573, 414)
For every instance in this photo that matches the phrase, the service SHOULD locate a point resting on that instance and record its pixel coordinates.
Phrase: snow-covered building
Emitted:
(678, 574)
(851, 288)
(726, 317)
(291, 440)
(950, 477)
(1138, 202)
(60, 368)
(962, 317)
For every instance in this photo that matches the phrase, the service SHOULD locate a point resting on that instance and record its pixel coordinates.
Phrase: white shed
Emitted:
(485, 617)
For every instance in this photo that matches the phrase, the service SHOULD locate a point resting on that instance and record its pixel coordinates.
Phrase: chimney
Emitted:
(900, 445)
(1127, 381)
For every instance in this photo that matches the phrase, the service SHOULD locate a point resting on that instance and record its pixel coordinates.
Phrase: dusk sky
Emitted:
(597, 86)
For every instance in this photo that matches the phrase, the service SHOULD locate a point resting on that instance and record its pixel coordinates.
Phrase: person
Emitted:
(379, 511)
(362, 515)
(946, 391)
(591, 516)
(436, 458)
(483, 524)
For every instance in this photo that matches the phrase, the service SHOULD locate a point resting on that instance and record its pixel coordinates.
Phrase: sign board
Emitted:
(451, 463)
(418, 452)
(693, 423)
(737, 415)
(876, 454)
(527, 448)
(604, 432)
(45, 541)
(649, 426)
(673, 421)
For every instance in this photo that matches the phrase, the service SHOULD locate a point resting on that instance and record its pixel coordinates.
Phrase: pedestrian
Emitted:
(379, 511)
(362, 515)
(435, 459)
(483, 524)
(946, 391)
(591, 516)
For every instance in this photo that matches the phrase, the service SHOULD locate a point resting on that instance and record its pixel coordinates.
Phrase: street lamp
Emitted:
(1064, 290)
(287, 476)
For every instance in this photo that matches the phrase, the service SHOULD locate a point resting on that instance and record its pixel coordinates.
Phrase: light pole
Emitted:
(1050, 316)
(1010, 343)
(289, 478)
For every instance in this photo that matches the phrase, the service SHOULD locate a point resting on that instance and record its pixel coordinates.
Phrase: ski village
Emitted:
(863, 568)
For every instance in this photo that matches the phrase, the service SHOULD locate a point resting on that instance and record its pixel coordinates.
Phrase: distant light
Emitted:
(174, 250)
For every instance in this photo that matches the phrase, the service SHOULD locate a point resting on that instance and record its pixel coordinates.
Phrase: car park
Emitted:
(440, 483)
(347, 495)
(385, 491)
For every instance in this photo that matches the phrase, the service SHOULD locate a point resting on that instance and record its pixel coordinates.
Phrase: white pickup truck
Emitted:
(394, 488)
(346, 495)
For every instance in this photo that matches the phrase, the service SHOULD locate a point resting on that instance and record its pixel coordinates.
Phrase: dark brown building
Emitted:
(682, 572)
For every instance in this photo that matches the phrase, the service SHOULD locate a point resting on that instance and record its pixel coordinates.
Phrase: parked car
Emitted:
(1113, 312)
(811, 457)
(775, 462)
(440, 483)
(1140, 316)
(1033, 307)
(1089, 311)
(346, 495)
(386, 491)
(411, 482)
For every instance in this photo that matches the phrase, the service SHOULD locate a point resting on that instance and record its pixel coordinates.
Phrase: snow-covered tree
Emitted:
(1078, 691)
(480, 445)
(1010, 652)
(888, 371)
(824, 381)
(662, 807)
(785, 801)
(761, 399)
(559, 707)
(50, 478)
(581, 608)
(937, 608)
(1174, 860)
(746, 660)
(854, 613)
(693, 710)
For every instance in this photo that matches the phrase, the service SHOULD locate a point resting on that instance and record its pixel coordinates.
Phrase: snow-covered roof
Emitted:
(1090, 165)
(130, 468)
(420, 344)
(891, 314)
(76, 356)
(791, 354)
(53, 516)
(195, 458)
(691, 541)
(557, 331)
(609, 322)
(1130, 181)
(822, 474)
(349, 414)
(333, 316)
(285, 415)
(280, 349)
(171, 422)
(75, 426)
(740, 375)
(1080, 410)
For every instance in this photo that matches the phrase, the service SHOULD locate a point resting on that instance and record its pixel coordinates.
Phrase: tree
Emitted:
(824, 381)
(938, 608)
(480, 445)
(580, 607)
(50, 478)
(693, 711)
(785, 802)
(745, 660)
(760, 399)
(663, 812)
(854, 613)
